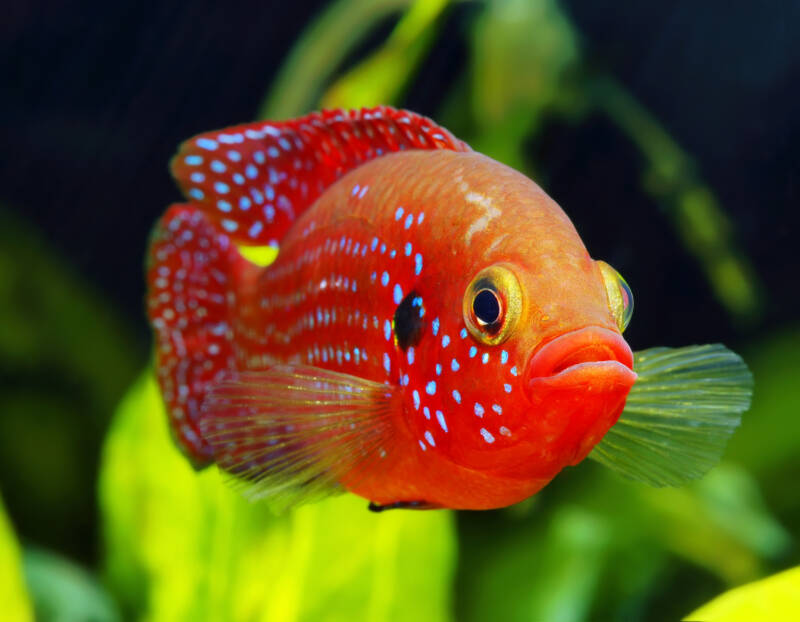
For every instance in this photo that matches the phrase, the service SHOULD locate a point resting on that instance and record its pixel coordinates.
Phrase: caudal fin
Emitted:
(191, 271)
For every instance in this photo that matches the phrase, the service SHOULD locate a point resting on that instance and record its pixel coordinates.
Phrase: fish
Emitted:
(432, 332)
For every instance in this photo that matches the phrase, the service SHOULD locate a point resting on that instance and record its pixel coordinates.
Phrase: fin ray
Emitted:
(291, 433)
(678, 416)
(254, 180)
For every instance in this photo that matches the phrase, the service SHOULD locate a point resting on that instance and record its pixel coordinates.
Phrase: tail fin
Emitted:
(191, 272)
(255, 180)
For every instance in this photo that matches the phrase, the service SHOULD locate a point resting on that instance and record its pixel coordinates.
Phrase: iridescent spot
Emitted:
(398, 213)
(218, 167)
(197, 177)
(457, 396)
(514, 371)
(234, 156)
(196, 193)
(442, 422)
(454, 365)
(387, 330)
(445, 341)
(224, 206)
(421, 444)
(487, 436)
(207, 144)
(221, 187)
(479, 409)
(438, 369)
(251, 171)
(430, 388)
(194, 160)
(398, 294)
(429, 438)
(229, 225)
(497, 408)
(463, 333)
(417, 264)
(385, 279)
(507, 388)
(435, 326)
(387, 363)
(415, 397)
(410, 355)
(255, 229)
(407, 249)
(472, 351)
(503, 357)
(244, 203)
(409, 221)
(427, 412)
(485, 358)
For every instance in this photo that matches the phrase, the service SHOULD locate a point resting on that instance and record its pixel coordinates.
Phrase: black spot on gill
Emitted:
(409, 321)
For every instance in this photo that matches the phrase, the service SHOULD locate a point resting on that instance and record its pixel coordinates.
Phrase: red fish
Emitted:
(433, 332)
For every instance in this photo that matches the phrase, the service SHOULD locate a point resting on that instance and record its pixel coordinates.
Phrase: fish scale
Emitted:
(360, 359)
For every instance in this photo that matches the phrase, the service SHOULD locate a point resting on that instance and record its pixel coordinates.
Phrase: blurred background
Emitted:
(668, 132)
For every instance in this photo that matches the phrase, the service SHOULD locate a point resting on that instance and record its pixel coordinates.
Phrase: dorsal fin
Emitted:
(254, 180)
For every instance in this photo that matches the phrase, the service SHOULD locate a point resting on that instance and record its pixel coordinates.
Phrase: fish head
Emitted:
(539, 370)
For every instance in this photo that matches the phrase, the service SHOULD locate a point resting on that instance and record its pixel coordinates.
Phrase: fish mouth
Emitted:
(587, 356)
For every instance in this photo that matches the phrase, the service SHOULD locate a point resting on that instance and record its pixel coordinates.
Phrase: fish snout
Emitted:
(577, 384)
(572, 355)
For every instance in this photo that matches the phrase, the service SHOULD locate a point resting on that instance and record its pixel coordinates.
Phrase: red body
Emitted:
(475, 425)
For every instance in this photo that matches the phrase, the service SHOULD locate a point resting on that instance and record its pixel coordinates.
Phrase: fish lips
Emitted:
(577, 384)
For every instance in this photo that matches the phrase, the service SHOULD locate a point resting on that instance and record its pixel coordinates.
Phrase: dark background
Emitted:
(96, 97)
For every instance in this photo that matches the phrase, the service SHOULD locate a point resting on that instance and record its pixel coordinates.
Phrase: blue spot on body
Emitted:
(514, 371)
(473, 351)
(457, 396)
(415, 396)
(387, 363)
(454, 365)
(385, 279)
(197, 177)
(497, 408)
(224, 206)
(244, 203)
(387, 330)
(503, 357)
(218, 167)
(221, 187)
(485, 358)
(479, 409)
(409, 220)
(207, 144)
(463, 333)
(408, 249)
(196, 193)
(442, 422)
(398, 213)
(438, 369)
(417, 264)
(194, 160)
(234, 156)
(445, 341)
(435, 326)
(398, 294)
(430, 388)
(507, 388)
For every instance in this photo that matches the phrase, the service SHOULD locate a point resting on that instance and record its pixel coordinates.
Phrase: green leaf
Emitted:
(64, 592)
(183, 546)
(13, 595)
(774, 598)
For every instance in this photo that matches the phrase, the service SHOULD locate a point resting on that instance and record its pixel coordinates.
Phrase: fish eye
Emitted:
(620, 296)
(492, 304)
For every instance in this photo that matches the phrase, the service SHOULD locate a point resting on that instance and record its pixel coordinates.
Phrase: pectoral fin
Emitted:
(291, 433)
(679, 415)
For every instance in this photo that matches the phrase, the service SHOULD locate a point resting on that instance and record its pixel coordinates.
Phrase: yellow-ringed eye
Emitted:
(492, 304)
(620, 296)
